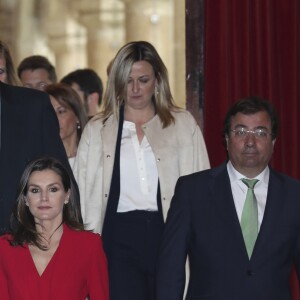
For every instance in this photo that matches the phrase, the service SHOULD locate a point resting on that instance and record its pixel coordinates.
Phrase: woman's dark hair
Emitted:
(69, 98)
(23, 227)
(10, 70)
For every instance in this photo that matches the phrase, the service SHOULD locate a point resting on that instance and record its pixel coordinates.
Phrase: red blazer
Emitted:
(77, 269)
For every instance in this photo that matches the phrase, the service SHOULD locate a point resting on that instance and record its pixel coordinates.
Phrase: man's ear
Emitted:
(92, 103)
(93, 98)
(226, 141)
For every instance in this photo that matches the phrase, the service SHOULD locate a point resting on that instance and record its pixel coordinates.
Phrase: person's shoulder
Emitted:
(183, 115)
(97, 124)
(285, 178)
(23, 96)
(24, 91)
(98, 121)
(84, 236)
(205, 175)
(184, 120)
(5, 241)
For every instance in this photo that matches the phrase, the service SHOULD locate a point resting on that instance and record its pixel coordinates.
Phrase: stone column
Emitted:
(7, 29)
(152, 20)
(69, 51)
(66, 38)
(179, 53)
(104, 23)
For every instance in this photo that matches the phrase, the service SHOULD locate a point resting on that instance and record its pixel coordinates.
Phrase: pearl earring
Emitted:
(78, 126)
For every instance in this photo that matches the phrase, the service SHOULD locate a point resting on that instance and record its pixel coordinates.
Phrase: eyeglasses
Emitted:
(259, 133)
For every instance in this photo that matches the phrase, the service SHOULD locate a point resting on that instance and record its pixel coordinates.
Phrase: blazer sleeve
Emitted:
(80, 167)
(174, 248)
(3, 278)
(89, 173)
(3, 285)
(200, 152)
(297, 256)
(194, 157)
(98, 276)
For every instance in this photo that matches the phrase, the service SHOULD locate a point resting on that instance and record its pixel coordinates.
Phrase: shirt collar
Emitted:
(234, 175)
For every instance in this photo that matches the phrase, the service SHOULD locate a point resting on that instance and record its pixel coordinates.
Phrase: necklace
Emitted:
(48, 240)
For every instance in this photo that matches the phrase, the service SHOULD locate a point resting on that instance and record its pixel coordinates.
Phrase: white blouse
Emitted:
(138, 172)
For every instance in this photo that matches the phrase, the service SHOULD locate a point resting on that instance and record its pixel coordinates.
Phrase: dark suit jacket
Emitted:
(29, 129)
(202, 223)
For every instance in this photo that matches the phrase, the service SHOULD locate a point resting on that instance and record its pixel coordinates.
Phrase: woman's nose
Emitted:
(135, 86)
(44, 196)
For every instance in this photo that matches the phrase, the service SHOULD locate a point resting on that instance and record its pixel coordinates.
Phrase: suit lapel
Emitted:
(272, 211)
(225, 207)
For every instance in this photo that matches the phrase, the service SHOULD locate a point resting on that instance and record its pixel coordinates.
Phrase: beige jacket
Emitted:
(179, 149)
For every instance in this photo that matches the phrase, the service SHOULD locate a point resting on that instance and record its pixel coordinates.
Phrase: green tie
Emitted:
(249, 220)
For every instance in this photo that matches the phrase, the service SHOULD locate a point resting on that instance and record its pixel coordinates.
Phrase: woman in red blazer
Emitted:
(49, 255)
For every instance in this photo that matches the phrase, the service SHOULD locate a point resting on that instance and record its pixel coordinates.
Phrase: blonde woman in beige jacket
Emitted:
(128, 162)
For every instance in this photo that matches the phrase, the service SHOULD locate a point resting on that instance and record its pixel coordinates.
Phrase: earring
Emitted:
(66, 200)
(78, 126)
(156, 91)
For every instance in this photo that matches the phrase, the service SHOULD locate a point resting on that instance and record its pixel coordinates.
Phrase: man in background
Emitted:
(88, 85)
(36, 72)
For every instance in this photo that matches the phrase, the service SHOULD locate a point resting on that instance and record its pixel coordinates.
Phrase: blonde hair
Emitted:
(116, 89)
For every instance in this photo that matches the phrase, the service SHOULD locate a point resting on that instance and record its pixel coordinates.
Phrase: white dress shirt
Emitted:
(239, 190)
(138, 172)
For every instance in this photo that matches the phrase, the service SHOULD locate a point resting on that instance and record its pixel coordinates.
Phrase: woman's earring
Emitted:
(156, 91)
(78, 126)
(67, 199)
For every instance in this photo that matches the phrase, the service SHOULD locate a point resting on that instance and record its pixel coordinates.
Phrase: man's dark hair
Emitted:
(37, 62)
(88, 81)
(249, 106)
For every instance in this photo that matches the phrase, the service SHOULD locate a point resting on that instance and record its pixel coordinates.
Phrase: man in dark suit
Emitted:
(29, 129)
(241, 242)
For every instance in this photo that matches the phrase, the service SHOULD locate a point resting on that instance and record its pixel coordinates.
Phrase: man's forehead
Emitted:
(252, 116)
